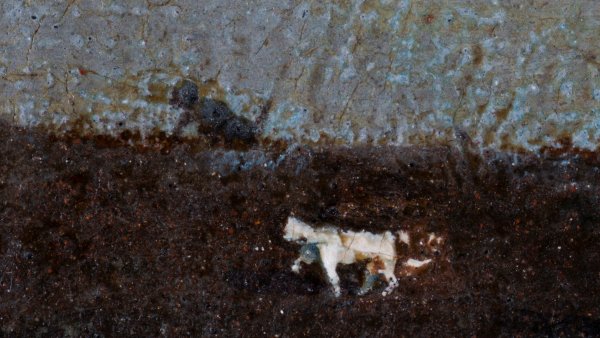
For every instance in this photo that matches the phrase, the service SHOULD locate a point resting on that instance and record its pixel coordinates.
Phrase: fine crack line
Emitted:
(14, 76)
(33, 41)
(165, 3)
(348, 102)
(264, 43)
(298, 78)
(71, 2)
(302, 31)
(151, 5)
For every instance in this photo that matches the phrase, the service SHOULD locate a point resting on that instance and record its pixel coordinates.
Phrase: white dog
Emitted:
(333, 246)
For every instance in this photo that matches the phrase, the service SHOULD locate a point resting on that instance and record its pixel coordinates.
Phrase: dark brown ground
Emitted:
(119, 241)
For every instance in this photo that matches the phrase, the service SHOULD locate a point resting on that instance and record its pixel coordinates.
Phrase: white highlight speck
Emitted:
(415, 263)
(566, 89)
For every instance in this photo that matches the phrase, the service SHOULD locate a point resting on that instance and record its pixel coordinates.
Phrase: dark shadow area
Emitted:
(102, 239)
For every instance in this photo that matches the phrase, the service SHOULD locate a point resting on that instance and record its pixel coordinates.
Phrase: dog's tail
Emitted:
(404, 237)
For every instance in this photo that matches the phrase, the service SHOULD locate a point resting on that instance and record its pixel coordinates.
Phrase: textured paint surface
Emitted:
(509, 74)
(100, 241)
(190, 130)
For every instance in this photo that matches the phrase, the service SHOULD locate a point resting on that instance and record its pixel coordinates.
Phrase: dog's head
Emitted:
(293, 229)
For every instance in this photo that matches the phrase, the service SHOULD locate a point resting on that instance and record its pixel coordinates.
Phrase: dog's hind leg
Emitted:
(388, 273)
(371, 275)
(368, 282)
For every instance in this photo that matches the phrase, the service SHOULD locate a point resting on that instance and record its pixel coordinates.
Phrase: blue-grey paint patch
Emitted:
(411, 71)
(228, 162)
(597, 94)
(286, 122)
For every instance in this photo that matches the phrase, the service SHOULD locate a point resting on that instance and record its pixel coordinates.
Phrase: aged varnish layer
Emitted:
(98, 237)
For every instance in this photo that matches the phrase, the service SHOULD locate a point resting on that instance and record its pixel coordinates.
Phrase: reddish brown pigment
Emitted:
(104, 240)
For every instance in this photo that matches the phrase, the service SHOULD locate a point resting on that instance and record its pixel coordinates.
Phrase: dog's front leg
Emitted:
(309, 253)
(301, 259)
(330, 260)
(296, 265)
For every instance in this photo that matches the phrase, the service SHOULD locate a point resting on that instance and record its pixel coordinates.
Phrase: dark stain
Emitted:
(428, 19)
(315, 80)
(502, 113)
(159, 94)
(477, 55)
(481, 108)
(265, 108)
(185, 94)
(215, 119)
(468, 80)
(590, 57)
(238, 129)
(214, 114)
